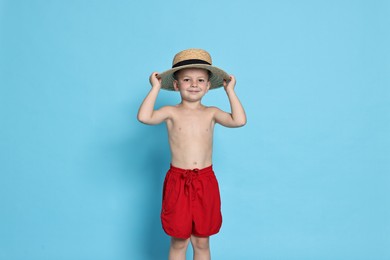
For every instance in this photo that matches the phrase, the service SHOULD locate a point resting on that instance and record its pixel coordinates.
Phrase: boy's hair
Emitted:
(176, 72)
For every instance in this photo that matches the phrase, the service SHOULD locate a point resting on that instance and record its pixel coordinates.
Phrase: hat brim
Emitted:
(216, 78)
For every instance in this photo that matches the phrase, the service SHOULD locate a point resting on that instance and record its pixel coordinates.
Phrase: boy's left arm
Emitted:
(237, 117)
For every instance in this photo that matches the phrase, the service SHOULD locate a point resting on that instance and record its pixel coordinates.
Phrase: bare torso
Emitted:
(190, 132)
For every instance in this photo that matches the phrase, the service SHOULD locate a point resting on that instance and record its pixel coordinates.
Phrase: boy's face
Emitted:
(192, 83)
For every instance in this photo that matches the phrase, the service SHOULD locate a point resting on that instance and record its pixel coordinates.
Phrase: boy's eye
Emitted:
(186, 80)
(201, 80)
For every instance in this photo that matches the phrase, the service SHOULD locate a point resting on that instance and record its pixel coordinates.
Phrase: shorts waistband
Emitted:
(208, 169)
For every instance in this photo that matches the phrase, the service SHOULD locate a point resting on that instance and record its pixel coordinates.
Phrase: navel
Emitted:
(195, 163)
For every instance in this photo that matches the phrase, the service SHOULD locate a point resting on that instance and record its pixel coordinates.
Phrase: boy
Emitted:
(191, 199)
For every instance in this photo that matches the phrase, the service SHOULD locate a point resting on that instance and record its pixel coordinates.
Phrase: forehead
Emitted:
(195, 72)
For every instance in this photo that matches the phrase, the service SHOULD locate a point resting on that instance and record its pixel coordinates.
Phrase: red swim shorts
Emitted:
(191, 203)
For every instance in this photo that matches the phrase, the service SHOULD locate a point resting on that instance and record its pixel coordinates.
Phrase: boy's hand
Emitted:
(154, 80)
(231, 84)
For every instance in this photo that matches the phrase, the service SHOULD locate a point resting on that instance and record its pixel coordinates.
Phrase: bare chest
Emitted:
(192, 124)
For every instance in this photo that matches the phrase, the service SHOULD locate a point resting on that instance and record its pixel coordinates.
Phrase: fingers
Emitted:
(230, 83)
(232, 78)
(155, 79)
(154, 75)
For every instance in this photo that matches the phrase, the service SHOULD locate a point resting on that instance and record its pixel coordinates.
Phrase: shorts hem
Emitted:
(206, 235)
(194, 234)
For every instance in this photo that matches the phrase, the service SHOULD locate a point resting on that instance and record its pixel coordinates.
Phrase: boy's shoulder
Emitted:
(167, 108)
(213, 109)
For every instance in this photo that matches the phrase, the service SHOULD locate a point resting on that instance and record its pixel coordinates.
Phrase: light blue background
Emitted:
(306, 178)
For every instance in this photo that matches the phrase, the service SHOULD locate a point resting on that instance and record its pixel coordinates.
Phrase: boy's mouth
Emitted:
(193, 90)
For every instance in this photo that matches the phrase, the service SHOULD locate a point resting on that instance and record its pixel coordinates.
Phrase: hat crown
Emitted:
(192, 54)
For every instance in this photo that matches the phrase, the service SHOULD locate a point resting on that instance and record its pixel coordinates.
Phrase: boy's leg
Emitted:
(201, 248)
(178, 248)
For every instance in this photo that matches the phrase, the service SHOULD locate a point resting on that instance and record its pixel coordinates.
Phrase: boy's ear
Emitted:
(208, 85)
(176, 85)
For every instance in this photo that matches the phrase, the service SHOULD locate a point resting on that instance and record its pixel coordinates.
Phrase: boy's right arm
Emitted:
(146, 112)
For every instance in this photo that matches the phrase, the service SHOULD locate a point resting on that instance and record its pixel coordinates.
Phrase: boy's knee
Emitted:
(179, 244)
(200, 243)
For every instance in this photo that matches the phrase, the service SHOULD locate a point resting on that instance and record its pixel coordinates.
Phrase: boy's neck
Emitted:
(191, 105)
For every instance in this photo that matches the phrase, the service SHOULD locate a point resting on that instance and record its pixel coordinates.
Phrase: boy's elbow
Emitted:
(142, 119)
(241, 122)
(236, 124)
(147, 120)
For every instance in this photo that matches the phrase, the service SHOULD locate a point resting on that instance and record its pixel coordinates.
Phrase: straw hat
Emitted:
(193, 58)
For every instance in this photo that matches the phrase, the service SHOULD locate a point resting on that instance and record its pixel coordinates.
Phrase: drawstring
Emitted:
(189, 176)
